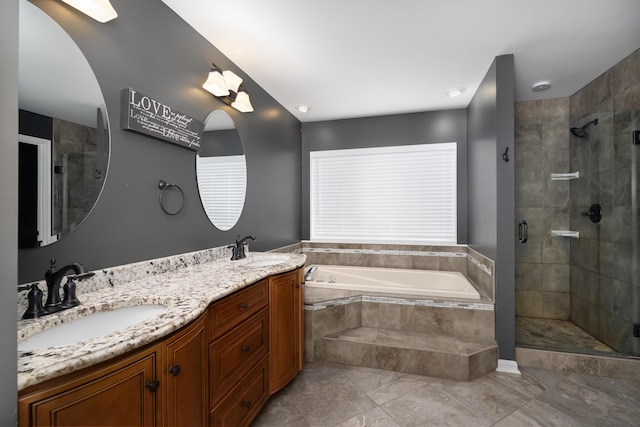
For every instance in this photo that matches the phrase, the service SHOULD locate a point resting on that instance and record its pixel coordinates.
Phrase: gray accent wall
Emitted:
(490, 120)
(393, 130)
(151, 49)
(8, 209)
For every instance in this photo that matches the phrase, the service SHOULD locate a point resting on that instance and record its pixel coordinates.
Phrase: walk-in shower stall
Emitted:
(577, 214)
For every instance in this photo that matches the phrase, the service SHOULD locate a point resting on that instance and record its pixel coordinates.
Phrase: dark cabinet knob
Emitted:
(247, 404)
(297, 286)
(246, 348)
(174, 370)
(244, 305)
(153, 385)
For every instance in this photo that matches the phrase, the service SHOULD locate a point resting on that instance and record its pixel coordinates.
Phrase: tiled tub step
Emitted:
(438, 356)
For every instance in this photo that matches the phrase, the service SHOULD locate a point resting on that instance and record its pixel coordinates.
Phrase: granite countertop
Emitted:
(186, 292)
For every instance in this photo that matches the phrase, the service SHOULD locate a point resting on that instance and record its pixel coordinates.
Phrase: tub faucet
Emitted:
(309, 276)
(238, 248)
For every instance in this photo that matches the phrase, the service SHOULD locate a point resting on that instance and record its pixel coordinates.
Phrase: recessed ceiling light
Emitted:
(540, 86)
(456, 91)
(303, 108)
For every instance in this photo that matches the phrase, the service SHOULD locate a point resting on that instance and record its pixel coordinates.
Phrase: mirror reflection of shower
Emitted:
(581, 132)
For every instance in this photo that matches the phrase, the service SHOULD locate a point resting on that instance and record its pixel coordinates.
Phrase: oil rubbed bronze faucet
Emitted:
(238, 248)
(54, 303)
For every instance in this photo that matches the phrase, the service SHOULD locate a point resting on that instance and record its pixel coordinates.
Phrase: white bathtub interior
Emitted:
(446, 284)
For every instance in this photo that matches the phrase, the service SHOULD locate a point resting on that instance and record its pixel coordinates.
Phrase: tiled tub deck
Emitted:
(445, 338)
(439, 338)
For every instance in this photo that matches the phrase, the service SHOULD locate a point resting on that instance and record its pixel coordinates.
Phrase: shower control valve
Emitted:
(594, 213)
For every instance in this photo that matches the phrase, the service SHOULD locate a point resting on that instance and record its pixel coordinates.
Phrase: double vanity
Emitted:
(199, 344)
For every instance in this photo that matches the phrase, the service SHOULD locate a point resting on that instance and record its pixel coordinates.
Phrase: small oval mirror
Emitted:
(221, 171)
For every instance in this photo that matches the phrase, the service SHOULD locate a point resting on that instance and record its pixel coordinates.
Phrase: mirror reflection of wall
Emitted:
(221, 171)
(64, 136)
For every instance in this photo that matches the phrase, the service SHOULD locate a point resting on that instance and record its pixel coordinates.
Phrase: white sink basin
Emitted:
(92, 326)
(265, 262)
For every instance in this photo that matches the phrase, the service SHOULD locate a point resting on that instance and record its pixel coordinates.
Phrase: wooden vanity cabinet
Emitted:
(115, 393)
(218, 370)
(286, 341)
(136, 389)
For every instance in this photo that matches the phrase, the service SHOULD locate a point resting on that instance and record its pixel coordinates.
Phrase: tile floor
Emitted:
(556, 335)
(330, 394)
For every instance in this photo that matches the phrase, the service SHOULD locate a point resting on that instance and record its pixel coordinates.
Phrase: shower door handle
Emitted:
(523, 231)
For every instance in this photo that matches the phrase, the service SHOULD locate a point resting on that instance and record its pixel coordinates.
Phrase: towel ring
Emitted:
(162, 185)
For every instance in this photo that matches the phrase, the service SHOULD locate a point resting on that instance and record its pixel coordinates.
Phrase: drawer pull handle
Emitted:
(153, 385)
(297, 286)
(247, 404)
(246, 348)
(244, 305)
(174, 370)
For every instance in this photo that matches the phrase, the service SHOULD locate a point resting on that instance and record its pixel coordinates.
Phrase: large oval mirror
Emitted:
(64, 133)
(221, 171)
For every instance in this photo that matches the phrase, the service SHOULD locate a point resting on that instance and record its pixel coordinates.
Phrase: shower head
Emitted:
(581, 132)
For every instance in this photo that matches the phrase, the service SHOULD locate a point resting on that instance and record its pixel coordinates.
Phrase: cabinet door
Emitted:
(285, 318)
(186, 378)
(106, 397)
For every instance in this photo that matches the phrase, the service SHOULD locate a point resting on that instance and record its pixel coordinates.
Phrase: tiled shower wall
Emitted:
(542, 263)
(605, 273)
(75, 148)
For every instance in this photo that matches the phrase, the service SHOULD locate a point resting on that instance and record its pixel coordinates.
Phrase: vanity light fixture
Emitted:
(227, 86)
(456, 91)
(100, 10)
(241, 101)
(215, 82)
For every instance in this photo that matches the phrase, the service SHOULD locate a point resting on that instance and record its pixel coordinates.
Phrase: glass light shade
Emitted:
(100, 10)
(242, 102)
(216, 84)
(232, 81)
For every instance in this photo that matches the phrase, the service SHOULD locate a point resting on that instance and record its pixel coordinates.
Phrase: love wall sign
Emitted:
(143, 114)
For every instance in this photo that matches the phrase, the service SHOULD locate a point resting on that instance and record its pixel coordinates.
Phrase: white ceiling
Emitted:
(354, 58)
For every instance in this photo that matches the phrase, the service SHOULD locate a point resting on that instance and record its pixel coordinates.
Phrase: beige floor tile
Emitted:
(375, 417)
(538, 414)
(428, 406)
(333, 394)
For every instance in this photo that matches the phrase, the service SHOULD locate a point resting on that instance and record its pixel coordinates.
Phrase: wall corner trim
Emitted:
(508, 366)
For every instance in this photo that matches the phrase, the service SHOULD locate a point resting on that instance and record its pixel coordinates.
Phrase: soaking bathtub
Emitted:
(446, 284)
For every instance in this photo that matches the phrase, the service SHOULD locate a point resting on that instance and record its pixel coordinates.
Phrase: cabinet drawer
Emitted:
(242, 405)
(235, 353)
(233, 309)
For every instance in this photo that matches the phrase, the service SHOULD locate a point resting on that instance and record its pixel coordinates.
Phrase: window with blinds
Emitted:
(221, 182)
(404, 194)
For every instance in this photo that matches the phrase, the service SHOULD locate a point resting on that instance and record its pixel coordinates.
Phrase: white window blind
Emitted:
(399, 194)
(221, 182)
